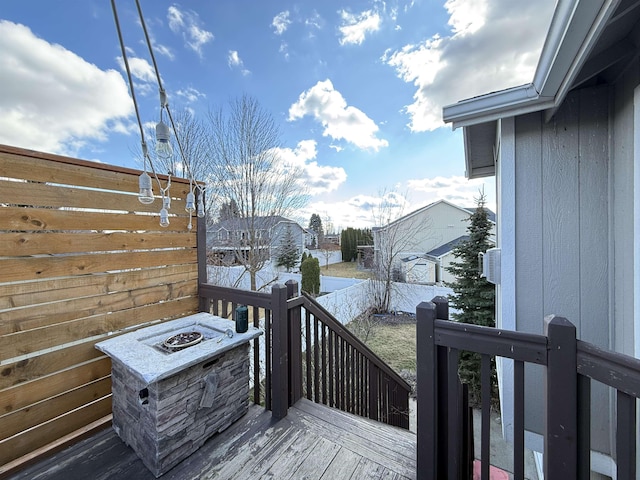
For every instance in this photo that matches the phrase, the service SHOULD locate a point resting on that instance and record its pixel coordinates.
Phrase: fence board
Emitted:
(39, 167)
(31, 219)
(20, 396)
(40, 365)
(29, 440)
(47, 314)
(15, 295)
(33, 415)
(24, 343)
(17, 269)
(21, 244)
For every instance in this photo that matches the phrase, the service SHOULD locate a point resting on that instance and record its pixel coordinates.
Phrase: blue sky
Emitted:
(357, 87)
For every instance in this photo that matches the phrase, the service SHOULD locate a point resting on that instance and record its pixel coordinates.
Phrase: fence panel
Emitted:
(82, 259)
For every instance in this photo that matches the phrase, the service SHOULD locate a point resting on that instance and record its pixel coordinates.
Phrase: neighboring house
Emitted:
(565, 150)
(421, 231)
(228, 239)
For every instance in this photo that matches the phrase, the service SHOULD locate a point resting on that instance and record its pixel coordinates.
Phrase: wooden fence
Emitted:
(81, 258)
(570, 365)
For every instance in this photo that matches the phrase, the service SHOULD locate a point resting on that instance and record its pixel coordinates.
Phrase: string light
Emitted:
(163, 148)
(163, 133)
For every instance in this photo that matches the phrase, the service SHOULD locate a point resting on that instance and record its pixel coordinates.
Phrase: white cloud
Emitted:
(474, 58)
(186, 23)
(318, 178)
(234, 61)
(354, 28)
(281, 22)
(314, 21)
(53, 100)
(190, 94)
(340, 121)
(456, 189)
(140, 68)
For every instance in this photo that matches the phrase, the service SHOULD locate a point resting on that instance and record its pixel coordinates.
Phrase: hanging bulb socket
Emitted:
(166, 202)
(164, 218)
(201, 209)
(146, 189)
(191, 203)
(163, 145)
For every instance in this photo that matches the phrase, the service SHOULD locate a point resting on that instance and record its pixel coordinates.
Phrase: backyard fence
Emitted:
(82, 258)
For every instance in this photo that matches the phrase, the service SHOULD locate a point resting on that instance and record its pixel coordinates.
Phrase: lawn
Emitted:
(395, 343)
(344, 269)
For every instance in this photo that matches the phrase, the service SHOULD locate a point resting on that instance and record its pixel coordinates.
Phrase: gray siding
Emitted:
(562, 229)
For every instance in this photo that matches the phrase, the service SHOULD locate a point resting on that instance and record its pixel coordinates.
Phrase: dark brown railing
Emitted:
(571, 365)
(306, 352)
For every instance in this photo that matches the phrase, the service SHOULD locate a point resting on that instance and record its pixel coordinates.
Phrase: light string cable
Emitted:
(145, 152)
(166, 106)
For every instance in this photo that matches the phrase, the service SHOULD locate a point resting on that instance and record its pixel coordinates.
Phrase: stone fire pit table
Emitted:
(167, 403)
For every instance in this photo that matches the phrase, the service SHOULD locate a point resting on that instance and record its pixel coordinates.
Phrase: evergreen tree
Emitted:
(310, 270)
(474, 296)
(350, 238)
(288, 255)
(315, 225)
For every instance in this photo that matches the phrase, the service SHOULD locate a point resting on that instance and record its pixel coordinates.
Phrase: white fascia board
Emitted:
(496, 105)
(575, 26)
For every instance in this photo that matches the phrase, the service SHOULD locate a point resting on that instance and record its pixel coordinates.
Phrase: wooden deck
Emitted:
(312, 442)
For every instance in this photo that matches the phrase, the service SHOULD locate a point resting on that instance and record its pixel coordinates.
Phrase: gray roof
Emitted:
(447, 247)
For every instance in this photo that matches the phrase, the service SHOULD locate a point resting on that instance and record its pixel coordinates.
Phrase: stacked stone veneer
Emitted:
(164, 422)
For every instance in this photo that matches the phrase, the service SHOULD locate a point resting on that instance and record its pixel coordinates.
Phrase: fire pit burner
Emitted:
(183, 340)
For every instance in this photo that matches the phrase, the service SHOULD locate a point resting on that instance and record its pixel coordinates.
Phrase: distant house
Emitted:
(565, 151)
(229, 239)
(419, 233)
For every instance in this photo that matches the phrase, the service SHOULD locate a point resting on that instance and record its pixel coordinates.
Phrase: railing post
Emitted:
(295, 346)
(442, 307)
(427, 412)
(561, 435)
(280, 348)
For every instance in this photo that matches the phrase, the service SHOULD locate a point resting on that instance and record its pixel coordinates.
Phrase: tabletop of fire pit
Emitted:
(144, 352)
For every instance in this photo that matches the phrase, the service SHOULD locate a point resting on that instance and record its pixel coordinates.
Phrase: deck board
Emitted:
(313, 442)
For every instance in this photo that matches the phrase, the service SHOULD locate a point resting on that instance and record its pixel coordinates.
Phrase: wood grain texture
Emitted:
(312, 442)
(30, 219)
(23, 244)
(35, 340)
(82, 258)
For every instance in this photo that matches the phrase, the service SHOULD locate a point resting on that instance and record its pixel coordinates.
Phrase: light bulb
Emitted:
(191, 203)
(200, 209)
(163, 145)
(164, 218)
(146, 190)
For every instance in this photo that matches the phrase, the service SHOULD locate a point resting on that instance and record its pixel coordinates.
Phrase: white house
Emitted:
(418, 233)
(565, 150)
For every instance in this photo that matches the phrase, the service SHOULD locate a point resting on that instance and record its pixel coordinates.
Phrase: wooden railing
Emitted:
(570, 367)
(306, 352)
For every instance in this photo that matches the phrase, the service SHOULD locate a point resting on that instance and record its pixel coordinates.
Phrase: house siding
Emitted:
(561, 231)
